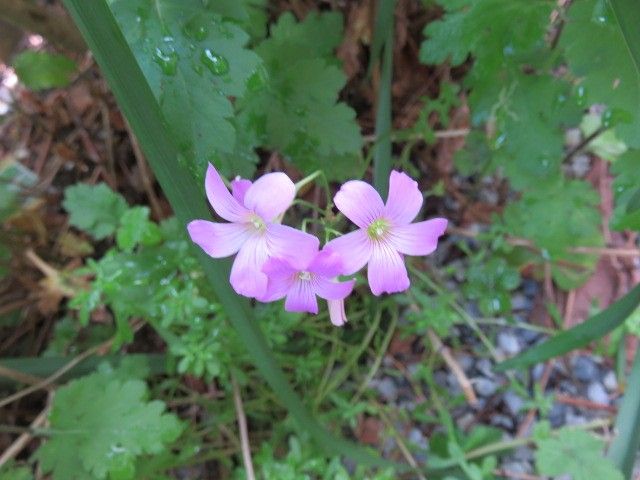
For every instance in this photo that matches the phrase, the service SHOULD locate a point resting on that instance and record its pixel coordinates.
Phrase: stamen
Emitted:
(304, 275)
(378, 228)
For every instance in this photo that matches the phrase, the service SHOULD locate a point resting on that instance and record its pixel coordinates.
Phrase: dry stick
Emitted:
(453, 133)
(18, 376)
(242, 425)
(455, 368)
(584, 403)
(16, 447)
(145, 174)
(56, 375)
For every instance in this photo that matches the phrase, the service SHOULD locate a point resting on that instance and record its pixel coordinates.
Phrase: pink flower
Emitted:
(386, 232)
(253, 232)
(302, 278)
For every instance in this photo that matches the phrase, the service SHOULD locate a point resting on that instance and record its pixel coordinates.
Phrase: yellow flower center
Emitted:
(377, 228)
(257, 222)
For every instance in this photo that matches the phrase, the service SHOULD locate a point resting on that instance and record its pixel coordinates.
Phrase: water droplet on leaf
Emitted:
(167, 58)
(217, 64)
(196, 28)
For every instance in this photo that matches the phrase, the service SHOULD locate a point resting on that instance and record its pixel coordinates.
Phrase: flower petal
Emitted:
(295, 246)
(404, 200)
(332, 290)
(354, 248)
(326, 263)
(387, 273)
(418, 238)
(301, 298)
(247, 277)
(280, 276)
(359, 202)
(270, 195)
(337, 315)
(218, 240)
(239, 187)
(220, 199)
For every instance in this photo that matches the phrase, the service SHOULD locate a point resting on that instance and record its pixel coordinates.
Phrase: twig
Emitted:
(16, 447)
(242, 425)
(19, 376)
(454, 366)
(584, 403)
(439, 134)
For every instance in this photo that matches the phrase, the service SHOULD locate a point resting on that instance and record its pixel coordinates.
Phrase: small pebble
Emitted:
(557, 415)
(502, 421)
(508, 343)
(530, 287)
(465, 361)
(517, 467)
(513, 402)
(485, 387)
(572, 418)
(520, 302)
(537, 371)
(597, 393)
(568, 387)
(610, 381)
(485, 367)
(387, 389)
(417, 438)
(585, 369)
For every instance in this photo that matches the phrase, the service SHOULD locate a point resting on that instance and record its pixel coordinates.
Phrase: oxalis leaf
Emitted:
(193, 60)
(98, 26)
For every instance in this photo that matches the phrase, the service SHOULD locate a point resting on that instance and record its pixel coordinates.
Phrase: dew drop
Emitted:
(196, 28)
(167, 58)
(581, 96)
(217, 64)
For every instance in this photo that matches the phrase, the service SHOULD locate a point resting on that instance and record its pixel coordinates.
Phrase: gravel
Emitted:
(513, 402)
(485, 387)
(597, 393)
(610, 381)
(585, 369)
(509, 343)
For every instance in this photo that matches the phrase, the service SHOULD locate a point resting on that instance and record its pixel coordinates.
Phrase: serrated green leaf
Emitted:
(577, 453)
(42, 70)
(606, 69)
(557, 218)
(100, 424)
(136, 228)
(95, 209)
(294, 108)
(193, 59)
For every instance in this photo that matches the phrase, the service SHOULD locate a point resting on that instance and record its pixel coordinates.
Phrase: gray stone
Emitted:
(530, 287)
(572, 418)
(517, 467)
(610, 381)
(485, 387)
(524, 454)
(537, 371)
(513, 402)
(508, 343)
(387, 389)
(502, 421)
(585, 369)
(465, 361)
(597, 393)
(485, 367)
(557, 415)
(417, 438)
(520, 302)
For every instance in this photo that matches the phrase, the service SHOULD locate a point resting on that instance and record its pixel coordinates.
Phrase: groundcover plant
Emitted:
(309, 239)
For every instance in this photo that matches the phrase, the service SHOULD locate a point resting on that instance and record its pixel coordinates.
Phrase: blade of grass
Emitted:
(97, 24)
(625, 446)
(593, 329)
(382, 149)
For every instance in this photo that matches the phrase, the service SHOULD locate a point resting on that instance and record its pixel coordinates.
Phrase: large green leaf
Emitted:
(194, 59)
(593, 329)
(97, 24)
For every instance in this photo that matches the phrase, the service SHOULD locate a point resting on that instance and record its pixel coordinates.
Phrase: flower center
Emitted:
(378, 228)
(304, 275)
(257, 222)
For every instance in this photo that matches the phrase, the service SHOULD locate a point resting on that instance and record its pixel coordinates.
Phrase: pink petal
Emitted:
(418, 238)
(337, 315)
(281, 276)
(359, 202)
(301, 298)
(404, 200)
(239, 188)
(220, 199)
(387, 273)
(354, 248)
(270, 195)
(295, 246)
(247, 277)
(218, 240)
(326, 263)
(331, 290)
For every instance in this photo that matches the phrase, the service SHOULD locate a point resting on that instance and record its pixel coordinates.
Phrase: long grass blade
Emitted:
(382, 161)
(593, 329)
(626, 444)
(97, 24)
